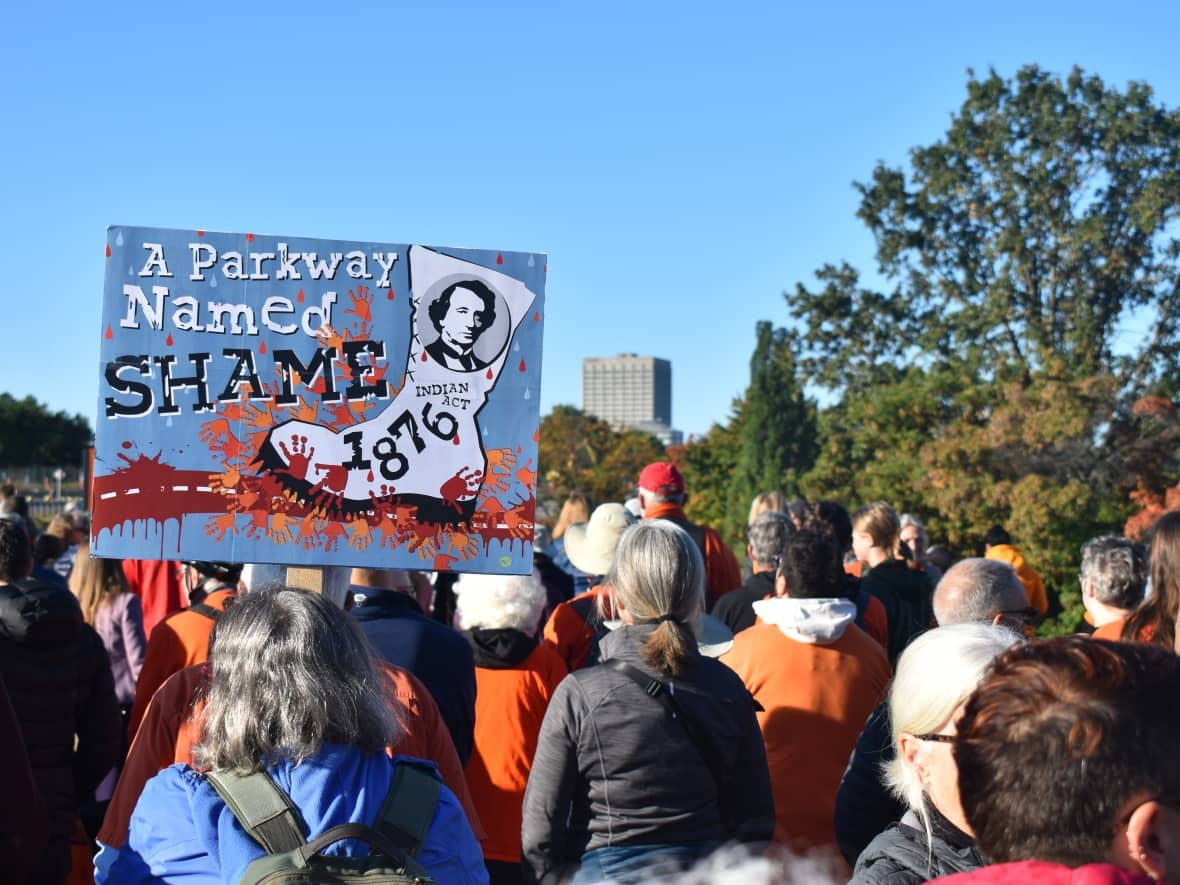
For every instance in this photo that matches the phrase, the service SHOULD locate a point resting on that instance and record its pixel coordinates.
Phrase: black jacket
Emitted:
(864, 805)
(735, 609)
(908, 599)
(902, 855)
(59, 680)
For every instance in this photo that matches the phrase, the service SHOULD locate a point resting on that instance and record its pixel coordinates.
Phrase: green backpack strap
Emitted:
(409, 806)
(262, 808)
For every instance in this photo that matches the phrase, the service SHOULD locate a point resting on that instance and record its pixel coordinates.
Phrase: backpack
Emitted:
(268, 816)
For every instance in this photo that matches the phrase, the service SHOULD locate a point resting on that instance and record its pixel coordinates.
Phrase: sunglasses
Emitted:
(936, 738)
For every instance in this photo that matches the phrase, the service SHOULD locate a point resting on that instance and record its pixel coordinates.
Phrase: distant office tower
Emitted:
(630, 391)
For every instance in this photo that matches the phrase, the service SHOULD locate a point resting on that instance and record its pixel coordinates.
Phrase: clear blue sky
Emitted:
(682, 164)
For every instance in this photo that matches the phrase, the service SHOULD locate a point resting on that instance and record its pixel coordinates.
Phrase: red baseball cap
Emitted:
(662, 477)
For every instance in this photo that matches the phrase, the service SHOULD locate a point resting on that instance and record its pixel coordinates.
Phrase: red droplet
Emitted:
(455, 441)
(500, 258)
(545, 269)
(536, 316)
(262, 347)
(522, 366)
(108, 250)
(370, 476)
(127, 443)
(108, 334)
(520, 450)
(168, 340)
(200, 233)
(389, 294)
(425, 358)
(489, 375)
(299, 296)
(249, 238)
(537, 435)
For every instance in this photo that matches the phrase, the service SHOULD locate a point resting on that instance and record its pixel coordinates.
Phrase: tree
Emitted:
(708, 465)
(991, 379)
(33, 436)
(1019, 243)
(579, 451)
(778, 427)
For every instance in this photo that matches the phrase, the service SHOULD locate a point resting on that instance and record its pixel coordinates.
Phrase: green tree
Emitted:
(778, 426)
(32, 435)
(708, 464)
(991, 379)
(579, 451)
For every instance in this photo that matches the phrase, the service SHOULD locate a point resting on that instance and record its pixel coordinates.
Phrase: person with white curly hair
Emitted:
(515, 675)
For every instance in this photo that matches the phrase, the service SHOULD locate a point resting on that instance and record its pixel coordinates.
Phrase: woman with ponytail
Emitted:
(906, 593)
(652, 758)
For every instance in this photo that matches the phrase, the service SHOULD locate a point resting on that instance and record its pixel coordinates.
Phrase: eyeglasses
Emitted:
(936, 738)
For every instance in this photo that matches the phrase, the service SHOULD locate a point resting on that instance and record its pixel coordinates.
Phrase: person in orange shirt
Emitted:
(662, 496)
(515, 675)
(817, 677)
(576, 625)
(182, 639)
(997, 544)
(1113, 577)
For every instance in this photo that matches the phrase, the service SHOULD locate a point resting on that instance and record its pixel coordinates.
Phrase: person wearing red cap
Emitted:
(662, 496)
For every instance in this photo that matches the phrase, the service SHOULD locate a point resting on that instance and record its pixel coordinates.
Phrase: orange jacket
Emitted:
(815, 697)
(1034, 587)
(509, 706)
(722, 572)
(171, 728)
(573, 627)
(178, 641)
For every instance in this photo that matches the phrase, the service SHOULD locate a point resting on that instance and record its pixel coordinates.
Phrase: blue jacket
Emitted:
(436, 654)
(181, 831)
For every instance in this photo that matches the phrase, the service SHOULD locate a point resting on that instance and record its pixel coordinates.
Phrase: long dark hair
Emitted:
(1160, 609)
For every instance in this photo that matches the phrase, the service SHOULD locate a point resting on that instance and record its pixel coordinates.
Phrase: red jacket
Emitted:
(1037, 872)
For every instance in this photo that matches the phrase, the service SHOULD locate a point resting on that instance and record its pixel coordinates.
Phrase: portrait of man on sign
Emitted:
(460, 315)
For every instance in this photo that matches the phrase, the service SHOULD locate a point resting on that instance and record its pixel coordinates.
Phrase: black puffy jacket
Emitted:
(902, 855)
(60, 684)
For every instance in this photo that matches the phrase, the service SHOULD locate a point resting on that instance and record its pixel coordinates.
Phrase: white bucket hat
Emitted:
(591, 545)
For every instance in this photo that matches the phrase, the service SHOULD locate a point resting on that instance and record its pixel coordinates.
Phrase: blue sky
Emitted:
(681, 164)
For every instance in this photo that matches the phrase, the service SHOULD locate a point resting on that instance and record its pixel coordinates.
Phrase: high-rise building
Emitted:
(630, 391)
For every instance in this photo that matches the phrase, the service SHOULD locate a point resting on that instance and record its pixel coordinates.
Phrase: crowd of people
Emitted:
(852, 704)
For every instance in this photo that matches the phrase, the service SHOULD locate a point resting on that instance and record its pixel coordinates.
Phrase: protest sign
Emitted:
(310, 402)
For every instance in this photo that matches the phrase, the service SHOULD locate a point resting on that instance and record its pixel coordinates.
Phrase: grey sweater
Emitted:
(613, 767)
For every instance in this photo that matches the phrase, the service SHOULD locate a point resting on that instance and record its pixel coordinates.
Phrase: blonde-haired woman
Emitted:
(935, 676)
(575, 510)
(906, 593)
(115, 613)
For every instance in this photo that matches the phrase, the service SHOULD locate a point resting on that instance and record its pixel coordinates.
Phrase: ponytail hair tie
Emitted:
(668, 617)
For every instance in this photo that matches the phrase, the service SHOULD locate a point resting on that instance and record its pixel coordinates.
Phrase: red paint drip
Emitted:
(127, 443)
(249, 238)
(108, 334)
(108, 250)
(200, 233)
(537, 435)
(425, 357)
(299, 296)
(545, 269)
(455, 441)
(168, 340)
(370, 476)
(262, 347)
(389, 294)
(536, 316)
(500, 258)
(156, 501)
(489, 375)
(522, 366)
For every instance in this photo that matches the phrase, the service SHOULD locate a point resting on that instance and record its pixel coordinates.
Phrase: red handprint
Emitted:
(299, 461)
(362, 304)
(463, 486)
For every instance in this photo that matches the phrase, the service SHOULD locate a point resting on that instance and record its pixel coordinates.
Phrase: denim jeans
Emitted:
(628, 864)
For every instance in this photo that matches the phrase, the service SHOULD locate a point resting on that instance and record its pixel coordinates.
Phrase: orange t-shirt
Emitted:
(815, 698)
(509, 706)
(178, 641)
(171, 728)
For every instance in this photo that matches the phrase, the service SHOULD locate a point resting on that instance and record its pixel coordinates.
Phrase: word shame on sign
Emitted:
(313, 402)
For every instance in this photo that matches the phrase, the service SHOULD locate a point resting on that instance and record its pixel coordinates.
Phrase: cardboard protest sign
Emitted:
(288, 400)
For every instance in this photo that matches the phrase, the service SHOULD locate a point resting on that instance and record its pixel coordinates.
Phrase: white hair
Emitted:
(935, 674)
(499, 602)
